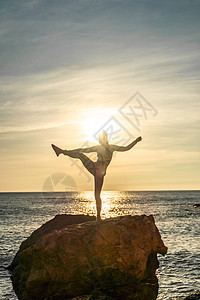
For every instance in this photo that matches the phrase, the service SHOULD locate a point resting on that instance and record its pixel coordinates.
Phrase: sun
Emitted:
(95, 122)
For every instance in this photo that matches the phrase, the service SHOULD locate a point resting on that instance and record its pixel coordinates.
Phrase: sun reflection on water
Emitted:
(110, 203)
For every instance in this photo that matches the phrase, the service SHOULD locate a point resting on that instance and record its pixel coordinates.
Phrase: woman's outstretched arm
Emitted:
(126, 148)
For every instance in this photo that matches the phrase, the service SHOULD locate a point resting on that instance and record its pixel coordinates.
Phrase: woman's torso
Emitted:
(104, 153)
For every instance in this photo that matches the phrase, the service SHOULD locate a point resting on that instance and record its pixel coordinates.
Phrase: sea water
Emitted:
(175, 217)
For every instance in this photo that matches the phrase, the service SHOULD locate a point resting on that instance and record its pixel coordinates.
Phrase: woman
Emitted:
(98, 169)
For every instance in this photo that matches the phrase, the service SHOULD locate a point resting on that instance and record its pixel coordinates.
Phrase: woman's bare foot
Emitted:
(98, 218)
(57, 150)
(139, 139)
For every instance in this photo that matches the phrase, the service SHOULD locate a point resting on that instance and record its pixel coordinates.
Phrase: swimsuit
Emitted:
(100, 168)
(104, 156)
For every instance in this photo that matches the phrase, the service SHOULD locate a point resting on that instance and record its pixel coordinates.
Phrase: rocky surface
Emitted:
(57, 223)
(193, 296)
(76, 257)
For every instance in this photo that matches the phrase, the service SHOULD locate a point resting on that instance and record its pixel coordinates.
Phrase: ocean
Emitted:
(173, 211)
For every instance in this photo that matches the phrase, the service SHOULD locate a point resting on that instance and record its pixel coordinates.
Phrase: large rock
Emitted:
(57, 223)
(112, 259)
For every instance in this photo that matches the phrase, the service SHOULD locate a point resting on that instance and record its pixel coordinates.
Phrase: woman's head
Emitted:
(103, 138)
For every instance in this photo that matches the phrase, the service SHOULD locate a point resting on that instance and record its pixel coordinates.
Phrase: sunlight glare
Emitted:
(110, 203)
(95, 122)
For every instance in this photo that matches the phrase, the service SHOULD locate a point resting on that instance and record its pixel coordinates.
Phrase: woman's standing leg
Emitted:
(97, 192)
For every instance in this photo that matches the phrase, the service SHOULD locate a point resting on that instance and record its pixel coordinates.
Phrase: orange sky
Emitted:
(67, 71)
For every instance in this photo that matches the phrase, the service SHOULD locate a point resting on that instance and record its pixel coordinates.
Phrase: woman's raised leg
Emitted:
(87, 162)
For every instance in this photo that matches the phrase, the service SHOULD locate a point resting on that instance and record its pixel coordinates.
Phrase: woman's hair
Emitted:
(103, 137)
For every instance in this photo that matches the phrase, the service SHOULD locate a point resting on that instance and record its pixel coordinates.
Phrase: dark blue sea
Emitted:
(176, 218)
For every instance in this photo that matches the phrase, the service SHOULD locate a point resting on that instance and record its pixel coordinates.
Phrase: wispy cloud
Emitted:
(60, 61)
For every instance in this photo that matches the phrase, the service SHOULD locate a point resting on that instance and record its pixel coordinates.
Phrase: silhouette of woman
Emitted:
(98, 169)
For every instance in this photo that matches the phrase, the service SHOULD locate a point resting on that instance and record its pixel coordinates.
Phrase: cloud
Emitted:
(62, 60)
(85, 33)
(46, 99)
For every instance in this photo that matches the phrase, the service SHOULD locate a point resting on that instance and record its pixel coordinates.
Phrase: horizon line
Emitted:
(153, 190)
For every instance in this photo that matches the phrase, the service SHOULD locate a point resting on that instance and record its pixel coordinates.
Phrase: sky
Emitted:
(69, 69)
